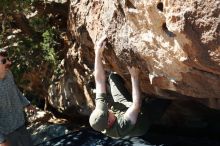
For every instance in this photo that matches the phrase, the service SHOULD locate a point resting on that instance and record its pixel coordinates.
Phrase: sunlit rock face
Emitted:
(176, 44)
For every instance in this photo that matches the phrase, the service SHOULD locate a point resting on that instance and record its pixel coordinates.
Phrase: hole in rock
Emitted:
(165, 29)
(160, 6)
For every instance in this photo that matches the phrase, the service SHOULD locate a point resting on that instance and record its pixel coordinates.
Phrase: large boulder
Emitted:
(175, 43)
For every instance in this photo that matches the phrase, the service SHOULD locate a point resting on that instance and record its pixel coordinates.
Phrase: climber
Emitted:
(121, 117)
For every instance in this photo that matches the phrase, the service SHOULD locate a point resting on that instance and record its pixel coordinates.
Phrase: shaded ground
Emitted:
(88, 137)
(171, 136)
(193, 130)
(157, 136)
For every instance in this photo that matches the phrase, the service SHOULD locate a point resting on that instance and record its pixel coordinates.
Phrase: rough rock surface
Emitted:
(175, 43)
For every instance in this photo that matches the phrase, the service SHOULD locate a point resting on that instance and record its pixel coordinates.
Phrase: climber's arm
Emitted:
(99, 72)
(132, 112)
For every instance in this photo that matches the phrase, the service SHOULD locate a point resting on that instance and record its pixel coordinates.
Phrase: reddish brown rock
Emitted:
(175, 43)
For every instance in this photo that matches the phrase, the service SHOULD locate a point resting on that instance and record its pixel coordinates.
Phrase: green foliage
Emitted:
(15, 5)
(29, 52)
(1, 40)
(48, 45)
(5, 4)
(40, 24)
